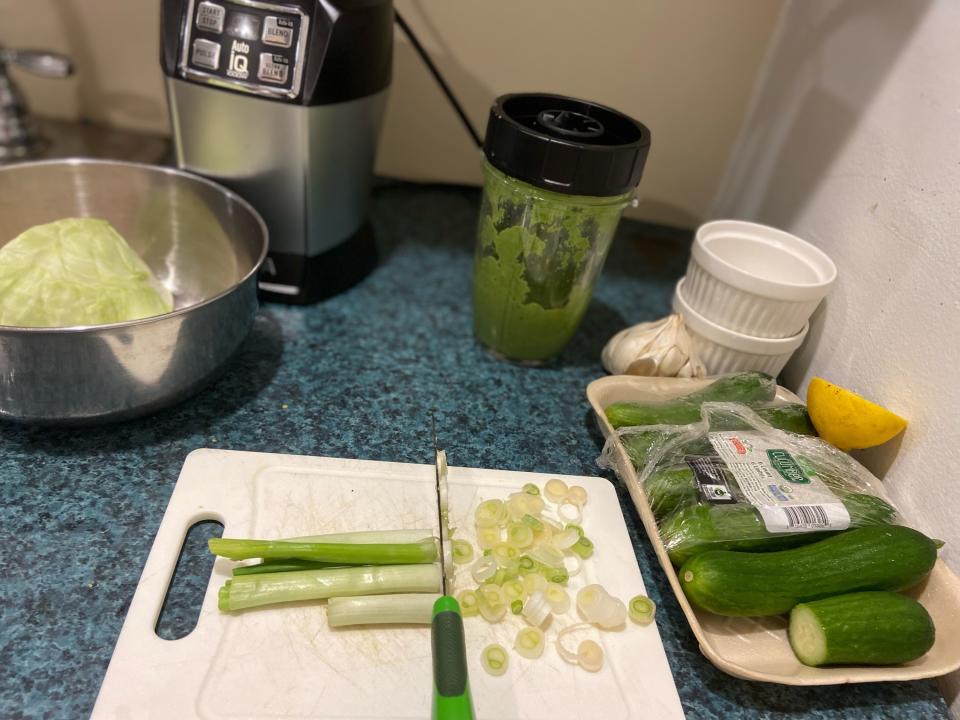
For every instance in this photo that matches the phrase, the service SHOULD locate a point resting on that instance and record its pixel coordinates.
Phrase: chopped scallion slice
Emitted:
(529, 642)
(642, 610)
(583, 547)
(532, 522)
(534, 582)
(490, 513)
(468, 603)
(576, 495)
(531, 489)
(572, 564)
(513, 590)
(569, 513)
(492, 604)
(483, 569)
(516, 606)
(502, 575)
(557, 597)
(565, 539)
(555, 575)
(494, 659)
(487, 537)
(536, 609)
(507, 556)
(555, 490)
(546, 554)
(519, 535)
(462, 552)
(590, 656)
(569, 655)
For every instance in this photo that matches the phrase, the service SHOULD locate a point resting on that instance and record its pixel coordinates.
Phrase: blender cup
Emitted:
(558, 173)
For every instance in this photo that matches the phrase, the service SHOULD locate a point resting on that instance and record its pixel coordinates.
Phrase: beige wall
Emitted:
(852, 144)
(683, 67)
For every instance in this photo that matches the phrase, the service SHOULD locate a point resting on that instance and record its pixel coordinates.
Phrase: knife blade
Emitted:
(451, 686)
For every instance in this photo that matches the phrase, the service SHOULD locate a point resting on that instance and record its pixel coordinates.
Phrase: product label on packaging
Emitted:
(711, 482)
(782, 486)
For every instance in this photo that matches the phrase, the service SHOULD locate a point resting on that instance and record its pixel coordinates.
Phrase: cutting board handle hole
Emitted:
(181, 605)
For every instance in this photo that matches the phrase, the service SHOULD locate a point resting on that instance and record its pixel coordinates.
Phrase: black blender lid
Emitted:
(566, 145)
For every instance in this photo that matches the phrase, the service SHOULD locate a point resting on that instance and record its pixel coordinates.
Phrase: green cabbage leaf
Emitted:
(76, 271)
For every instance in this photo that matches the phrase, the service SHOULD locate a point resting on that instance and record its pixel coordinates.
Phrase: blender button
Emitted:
(206, 54)
(273, 68)
(210, 16)
(278, 31)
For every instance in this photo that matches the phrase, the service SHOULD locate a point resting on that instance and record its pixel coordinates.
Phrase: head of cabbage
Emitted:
(76, 271)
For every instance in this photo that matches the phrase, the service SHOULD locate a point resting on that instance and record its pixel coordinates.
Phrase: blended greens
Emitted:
(538, 255)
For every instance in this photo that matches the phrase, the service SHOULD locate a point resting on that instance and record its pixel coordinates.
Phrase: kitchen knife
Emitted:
(451, 687)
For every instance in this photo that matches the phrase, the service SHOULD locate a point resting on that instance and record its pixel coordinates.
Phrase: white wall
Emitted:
(853, 142)
(683, 67)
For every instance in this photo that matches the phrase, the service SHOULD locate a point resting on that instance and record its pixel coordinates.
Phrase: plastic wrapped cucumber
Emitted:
(694, 529)
(790, 417)
(734, 481)
(747, 387)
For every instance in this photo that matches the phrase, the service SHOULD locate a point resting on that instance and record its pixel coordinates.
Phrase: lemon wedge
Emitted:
(848, 421)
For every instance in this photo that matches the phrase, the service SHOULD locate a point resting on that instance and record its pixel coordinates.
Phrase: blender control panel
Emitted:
(246, 45)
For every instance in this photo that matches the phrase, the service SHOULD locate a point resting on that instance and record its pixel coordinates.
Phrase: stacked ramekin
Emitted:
(749, 293)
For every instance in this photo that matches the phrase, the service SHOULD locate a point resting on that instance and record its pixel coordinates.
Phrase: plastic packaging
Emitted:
(732, 481)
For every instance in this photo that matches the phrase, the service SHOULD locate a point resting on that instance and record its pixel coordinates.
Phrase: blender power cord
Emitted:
(439, 78)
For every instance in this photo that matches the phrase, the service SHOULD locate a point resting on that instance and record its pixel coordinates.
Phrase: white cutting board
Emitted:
(284, 662)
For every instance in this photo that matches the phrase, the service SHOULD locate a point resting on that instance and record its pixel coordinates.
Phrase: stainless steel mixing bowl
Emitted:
(202, 241)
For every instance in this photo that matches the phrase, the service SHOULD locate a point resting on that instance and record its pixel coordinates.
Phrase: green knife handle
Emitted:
(451, 688)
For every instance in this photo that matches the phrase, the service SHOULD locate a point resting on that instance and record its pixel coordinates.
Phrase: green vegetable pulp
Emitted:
(538, 255)
(77, 271)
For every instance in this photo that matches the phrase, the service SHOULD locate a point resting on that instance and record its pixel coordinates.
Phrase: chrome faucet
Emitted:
(18, 135)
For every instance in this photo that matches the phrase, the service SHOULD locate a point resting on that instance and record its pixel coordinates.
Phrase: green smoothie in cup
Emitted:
(538, 255)
(557, 174)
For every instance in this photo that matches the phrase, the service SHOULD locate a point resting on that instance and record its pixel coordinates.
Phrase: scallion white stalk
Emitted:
(250, 591)
(366, 537)
(401, 608)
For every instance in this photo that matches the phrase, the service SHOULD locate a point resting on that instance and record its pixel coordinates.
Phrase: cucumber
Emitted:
(791, 417)
(883, 557)
(744, 387)
(695, 529)
(748, 387)
(864, 628)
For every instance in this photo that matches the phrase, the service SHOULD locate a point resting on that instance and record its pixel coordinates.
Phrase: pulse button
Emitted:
(278, 31)
(206, 54)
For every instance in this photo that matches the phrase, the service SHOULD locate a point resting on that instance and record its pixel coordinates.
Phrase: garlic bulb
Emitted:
(662, 347)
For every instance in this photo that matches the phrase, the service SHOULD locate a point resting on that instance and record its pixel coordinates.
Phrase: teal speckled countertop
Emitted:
(355, 376)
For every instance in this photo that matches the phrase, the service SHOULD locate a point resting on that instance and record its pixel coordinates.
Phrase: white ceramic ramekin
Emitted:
(723, 351)
(755, 279)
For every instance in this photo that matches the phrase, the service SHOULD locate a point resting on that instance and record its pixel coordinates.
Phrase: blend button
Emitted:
(210, 16)
(278, 31)
(273, 68)
(206, 54)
